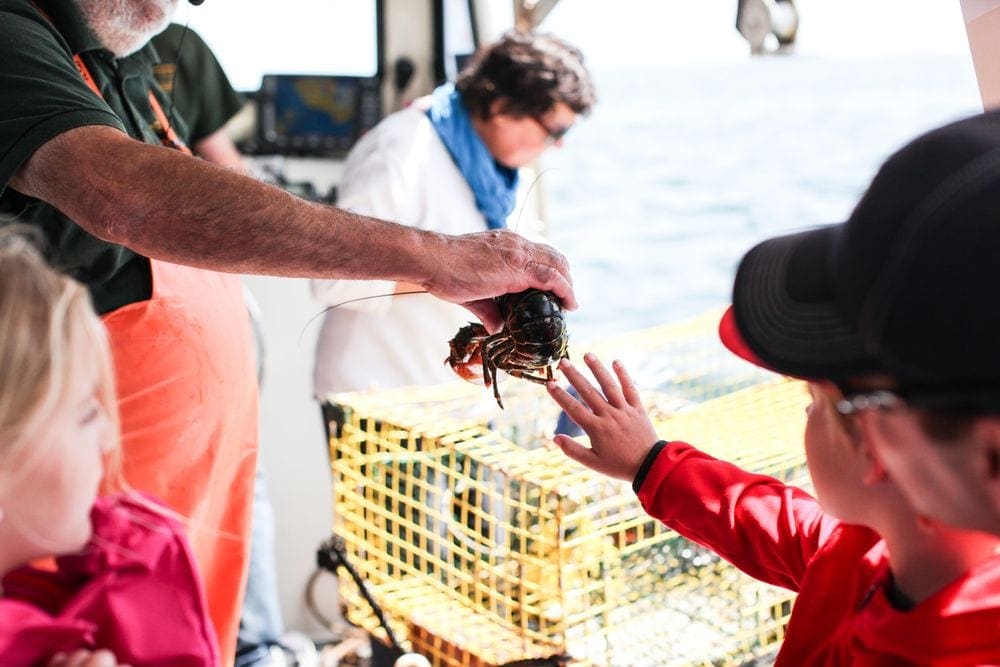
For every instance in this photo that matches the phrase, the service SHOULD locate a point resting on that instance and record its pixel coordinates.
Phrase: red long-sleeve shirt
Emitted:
(842, 615)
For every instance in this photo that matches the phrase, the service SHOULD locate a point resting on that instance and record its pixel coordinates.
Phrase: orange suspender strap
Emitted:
(77, 60)
(162, 126)
(85, 73)
(165, 130)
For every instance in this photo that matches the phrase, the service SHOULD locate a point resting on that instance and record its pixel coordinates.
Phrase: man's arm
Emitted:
(169, 206)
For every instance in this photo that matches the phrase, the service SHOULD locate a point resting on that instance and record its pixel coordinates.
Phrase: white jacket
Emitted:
(400, 171)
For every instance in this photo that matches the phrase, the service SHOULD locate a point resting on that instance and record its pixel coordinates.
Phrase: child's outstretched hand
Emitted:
(620, 431)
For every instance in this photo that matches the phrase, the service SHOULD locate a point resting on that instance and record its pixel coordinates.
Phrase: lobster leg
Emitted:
(523, 370)
(492, 351)
(486, 354)
(525, 375)
(496, 386)
(492, 366)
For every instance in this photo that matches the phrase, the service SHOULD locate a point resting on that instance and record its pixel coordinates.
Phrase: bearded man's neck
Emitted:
(125, 26)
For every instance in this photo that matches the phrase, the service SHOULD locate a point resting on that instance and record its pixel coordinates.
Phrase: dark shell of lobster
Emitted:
(533, 338)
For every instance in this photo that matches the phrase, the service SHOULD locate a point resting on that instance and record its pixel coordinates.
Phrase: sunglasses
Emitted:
(552, 135)
(881, 399)
(967, 402)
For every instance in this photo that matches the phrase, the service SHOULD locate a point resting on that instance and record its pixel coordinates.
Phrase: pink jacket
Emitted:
(842, 615)
(134, 591)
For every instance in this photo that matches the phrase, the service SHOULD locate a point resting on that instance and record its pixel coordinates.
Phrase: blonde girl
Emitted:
(87, 581)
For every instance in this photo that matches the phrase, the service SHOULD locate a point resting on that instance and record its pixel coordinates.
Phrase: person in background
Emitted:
(89, 156)
(124, 586)
(891, 318)
(448, 163)
(201, 94)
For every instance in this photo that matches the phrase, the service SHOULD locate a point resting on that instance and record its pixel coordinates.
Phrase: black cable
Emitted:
(551, 661)
(311, 604)
(332, 555)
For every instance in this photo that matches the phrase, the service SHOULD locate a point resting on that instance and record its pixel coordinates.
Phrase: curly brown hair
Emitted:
(529, 73)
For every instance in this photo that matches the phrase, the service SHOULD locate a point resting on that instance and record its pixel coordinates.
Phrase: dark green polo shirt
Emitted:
(190, 74)
(43, 95)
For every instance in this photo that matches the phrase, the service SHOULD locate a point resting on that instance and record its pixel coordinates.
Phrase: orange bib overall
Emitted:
(187, 391)
(187, 395)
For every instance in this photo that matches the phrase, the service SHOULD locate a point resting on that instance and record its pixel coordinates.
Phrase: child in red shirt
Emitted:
(893, 318)
(123, 588)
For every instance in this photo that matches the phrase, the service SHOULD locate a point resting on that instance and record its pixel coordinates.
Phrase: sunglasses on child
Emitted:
(881, 399)
(966, 402)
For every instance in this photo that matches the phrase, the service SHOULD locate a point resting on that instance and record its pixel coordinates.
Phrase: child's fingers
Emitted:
(612, 393)
(629, 392)
(588, 392)
(576, 410)
(577, 452)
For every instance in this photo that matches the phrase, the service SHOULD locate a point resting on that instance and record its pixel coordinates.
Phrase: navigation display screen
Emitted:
(315, 115)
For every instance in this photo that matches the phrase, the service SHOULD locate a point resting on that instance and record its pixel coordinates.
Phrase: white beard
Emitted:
(124, 26)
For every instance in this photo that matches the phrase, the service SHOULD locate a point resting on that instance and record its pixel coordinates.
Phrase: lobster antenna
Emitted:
(517, 222)
(344, 303)
(520, 211)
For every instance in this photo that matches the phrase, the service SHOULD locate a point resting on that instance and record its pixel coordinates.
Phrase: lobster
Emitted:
(533, 337)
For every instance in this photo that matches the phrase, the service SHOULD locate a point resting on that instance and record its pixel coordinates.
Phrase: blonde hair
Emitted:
(44, 318)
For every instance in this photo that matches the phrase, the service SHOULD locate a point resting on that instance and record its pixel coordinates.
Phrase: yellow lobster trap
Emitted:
(485, 546)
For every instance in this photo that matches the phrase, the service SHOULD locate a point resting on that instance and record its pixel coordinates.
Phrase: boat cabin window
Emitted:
(261, 37)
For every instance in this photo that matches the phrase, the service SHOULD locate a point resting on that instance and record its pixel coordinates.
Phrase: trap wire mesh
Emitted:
(485, 545)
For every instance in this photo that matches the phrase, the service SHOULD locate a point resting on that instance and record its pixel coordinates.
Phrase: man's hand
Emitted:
(620, 431)
(474, 268)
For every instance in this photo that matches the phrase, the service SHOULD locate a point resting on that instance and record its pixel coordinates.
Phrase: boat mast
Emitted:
(528, 14)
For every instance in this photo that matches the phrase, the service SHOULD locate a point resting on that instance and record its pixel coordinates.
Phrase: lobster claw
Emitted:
(466, 356)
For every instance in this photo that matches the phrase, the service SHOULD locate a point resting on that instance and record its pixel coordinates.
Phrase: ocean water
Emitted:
(677, 172)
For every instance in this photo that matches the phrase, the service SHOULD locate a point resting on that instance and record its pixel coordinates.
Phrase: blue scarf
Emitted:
(494, 185)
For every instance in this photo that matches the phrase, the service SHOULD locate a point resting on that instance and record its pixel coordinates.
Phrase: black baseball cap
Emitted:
(908, 286)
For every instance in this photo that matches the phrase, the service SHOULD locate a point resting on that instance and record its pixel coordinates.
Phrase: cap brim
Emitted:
(786, 313)
(730, 336)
